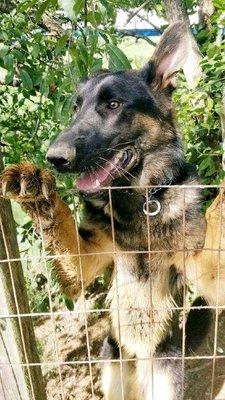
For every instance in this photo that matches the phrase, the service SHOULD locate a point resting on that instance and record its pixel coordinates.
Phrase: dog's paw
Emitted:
(26, 182)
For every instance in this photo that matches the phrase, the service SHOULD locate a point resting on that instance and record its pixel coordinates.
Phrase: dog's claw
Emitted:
(45, 191)
(4, 188)
(26, 182)
(22, 188)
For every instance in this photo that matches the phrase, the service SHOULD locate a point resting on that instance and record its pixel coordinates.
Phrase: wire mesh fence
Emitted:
(68, 342)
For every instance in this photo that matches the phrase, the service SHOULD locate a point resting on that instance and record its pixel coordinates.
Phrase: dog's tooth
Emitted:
(97, 182)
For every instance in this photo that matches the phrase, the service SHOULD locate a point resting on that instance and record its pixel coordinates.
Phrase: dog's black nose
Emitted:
(61, 157)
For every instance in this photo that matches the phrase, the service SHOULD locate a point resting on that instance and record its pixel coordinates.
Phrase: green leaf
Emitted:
(209, 103)
(207, 166)
(9, 77)
(81, 68)
(19, 215)
(220, 350)
(61, 43)
(96, 65)
(91, 17)
(3, 50)
(117, 59)
(18, 55)
(69, 303)
(109, 7)
(44, 87)
(66, 108)
(78, 6)
(8, 62)
(219, 4)
(36, 50)
(73, 51)
(26, 5)
(43, 7)
(83, 53)
(26, 79)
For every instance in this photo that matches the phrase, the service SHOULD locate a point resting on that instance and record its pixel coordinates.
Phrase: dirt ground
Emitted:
(200, 373)
(68, 342)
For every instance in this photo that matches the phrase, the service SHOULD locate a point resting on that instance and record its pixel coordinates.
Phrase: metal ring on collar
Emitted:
(153, 213)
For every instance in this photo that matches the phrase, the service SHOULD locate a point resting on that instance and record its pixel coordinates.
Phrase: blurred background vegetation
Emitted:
(47, 46)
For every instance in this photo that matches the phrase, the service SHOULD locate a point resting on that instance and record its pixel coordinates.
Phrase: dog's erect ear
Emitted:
(168, 58)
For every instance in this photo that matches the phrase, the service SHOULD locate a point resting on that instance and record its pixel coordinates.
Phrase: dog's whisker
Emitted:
(115, 148)
(117, 169)
(100, 166)
(127, 172)
(114, 165)
(93, 172)
(123, 143)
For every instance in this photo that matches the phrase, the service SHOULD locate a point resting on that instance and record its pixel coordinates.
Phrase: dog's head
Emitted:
(123, 121)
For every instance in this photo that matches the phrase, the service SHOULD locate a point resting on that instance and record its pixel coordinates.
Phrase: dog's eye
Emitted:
(113, 104)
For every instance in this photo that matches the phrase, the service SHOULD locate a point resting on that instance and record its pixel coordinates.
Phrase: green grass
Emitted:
(138, 51)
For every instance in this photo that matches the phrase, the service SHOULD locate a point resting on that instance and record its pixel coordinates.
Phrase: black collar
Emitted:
(159, 188)
(152, 206)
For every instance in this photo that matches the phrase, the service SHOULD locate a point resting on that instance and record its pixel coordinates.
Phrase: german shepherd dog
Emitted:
(123, 135)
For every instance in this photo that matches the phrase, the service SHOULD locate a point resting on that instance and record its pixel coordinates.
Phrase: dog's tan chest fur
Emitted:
(140, 310)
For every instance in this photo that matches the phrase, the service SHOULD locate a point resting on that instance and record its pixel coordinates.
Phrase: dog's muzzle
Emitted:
(61, 156)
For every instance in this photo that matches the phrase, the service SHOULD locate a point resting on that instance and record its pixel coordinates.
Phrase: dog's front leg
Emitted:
(119, 380)
(205, 268)
(76, 263)
(161, 379)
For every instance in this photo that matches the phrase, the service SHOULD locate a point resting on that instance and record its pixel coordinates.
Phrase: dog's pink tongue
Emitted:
(91, 181)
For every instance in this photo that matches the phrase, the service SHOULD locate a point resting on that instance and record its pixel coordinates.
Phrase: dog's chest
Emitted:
(139, 313)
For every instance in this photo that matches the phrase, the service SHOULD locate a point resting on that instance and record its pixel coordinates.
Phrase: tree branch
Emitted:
(133, 34)
(49, 23)
(206, 10)
(131, 16)
(142, 18)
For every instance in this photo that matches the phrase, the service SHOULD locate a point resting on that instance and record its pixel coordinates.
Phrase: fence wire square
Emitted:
(66, 343)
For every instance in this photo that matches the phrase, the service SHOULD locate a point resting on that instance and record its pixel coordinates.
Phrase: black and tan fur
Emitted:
(147, 286)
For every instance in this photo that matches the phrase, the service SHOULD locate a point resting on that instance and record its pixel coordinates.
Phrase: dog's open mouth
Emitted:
(92, 181)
